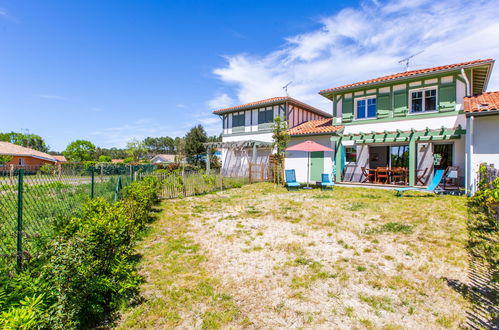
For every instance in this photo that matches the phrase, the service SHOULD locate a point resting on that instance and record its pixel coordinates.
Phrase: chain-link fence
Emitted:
(34, 200)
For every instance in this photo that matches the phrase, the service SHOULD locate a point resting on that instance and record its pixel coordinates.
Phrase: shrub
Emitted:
(46, 169)
(87, 268)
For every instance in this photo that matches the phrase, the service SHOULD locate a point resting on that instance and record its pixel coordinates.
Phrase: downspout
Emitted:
(468, 92)
(470, 174)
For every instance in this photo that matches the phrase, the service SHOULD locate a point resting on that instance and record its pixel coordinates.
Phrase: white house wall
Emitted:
(265, 137)
(297, 160)
(405, 125)
(485, 145)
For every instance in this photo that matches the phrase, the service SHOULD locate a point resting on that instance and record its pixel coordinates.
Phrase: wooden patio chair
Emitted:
(420, 178)
(382, 173)
(398, 175)
(368, 176)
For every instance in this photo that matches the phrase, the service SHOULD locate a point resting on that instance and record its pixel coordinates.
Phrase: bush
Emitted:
(87, 269)
(46, 169)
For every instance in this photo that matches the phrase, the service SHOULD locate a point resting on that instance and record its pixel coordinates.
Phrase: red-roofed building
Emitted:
(410, 123)
(413, 120)
(482, 134)
(247, 130)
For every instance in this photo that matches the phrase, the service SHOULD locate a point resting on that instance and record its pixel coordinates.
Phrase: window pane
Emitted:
(417, 101)
(430, 100)
(350, 154)
(371, 108)
(361, 109)
(238, 120)
(399, 156)
(270, 115)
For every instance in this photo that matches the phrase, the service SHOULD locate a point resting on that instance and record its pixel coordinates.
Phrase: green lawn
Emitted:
(260, 256)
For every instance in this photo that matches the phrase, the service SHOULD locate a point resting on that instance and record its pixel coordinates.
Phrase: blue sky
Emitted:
(109, 71)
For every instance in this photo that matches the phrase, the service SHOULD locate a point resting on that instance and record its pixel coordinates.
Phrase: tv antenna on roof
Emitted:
(285, 87)
(407, 59)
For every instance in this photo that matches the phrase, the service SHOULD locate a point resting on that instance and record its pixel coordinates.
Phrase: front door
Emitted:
(316, 165)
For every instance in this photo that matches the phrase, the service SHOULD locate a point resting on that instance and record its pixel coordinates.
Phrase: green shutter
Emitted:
(347, 110)
(383, 105)
(447, 97)
(400, 103)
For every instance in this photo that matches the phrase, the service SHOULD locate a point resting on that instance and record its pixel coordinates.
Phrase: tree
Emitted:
(280, 138)
(104, 159)
(4, 159)
(164, 144)
(79, 151)
(32, 141)
(136, 149)
(194, 148)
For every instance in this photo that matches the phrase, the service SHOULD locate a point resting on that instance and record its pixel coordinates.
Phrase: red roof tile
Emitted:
(408, 74)
(482, 102)
(272, 101)
(320, 126)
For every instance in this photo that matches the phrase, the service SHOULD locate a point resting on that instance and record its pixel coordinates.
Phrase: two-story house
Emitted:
(414, 121)
(247, 130)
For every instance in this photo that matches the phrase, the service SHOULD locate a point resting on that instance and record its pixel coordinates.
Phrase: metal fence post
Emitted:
(221, 180)
(118, 188)
(19, 255)
(92, 185)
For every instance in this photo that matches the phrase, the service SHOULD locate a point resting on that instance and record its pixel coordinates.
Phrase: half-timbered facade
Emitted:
(412, 120)
(247, 130)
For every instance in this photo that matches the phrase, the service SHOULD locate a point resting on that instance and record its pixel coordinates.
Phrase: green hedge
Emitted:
(483, 223)
(87, 268)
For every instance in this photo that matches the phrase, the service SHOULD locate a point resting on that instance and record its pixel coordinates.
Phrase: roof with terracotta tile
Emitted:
(409, 74)
(488, 101)
(313, 127)
(10, 149)
(60, 158)
(271, 101)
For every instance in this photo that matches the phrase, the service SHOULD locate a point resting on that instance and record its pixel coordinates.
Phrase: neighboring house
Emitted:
(25, 157)
(60, 159)
(163, 158)
(117, 161)
(482, 134)
(247, 130)
(415, 120)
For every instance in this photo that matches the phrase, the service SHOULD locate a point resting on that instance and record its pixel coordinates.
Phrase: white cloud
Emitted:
(365, 42)
(220, 101)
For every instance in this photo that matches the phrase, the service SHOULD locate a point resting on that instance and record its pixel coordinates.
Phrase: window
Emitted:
(399, 156)
(238, 119)
(21, 161)
(365, 108)
(266, 116)
(350, 154)
(423, 100)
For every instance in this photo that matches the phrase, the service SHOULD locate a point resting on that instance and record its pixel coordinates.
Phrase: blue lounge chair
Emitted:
(291, 179)
(326, 181)
(431, 188)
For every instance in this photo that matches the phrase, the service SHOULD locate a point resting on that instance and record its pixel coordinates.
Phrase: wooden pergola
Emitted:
(412, 137)
(237, 145)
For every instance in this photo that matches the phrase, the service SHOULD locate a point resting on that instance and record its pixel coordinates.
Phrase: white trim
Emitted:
(355, 100)
(409, 101)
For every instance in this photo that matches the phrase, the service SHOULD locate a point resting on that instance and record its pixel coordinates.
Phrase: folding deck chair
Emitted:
(437, 178)
(326, 181)
(291, 179)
